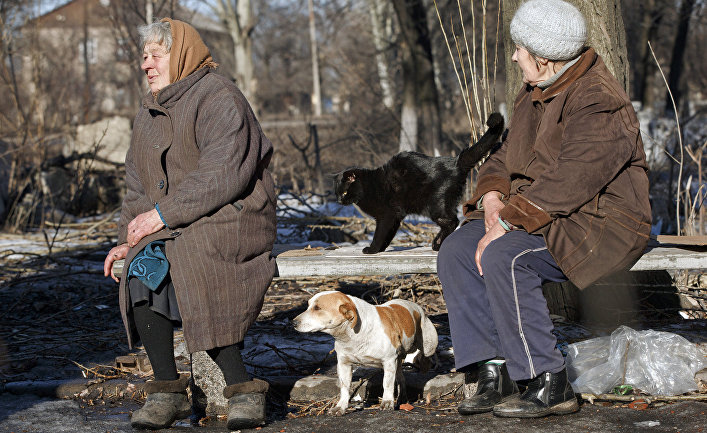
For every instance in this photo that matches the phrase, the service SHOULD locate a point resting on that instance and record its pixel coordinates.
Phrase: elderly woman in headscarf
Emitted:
(565, 197)
(197, 225)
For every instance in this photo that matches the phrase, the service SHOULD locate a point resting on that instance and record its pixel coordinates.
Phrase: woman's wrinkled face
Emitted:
(155, 63)
(533, 72)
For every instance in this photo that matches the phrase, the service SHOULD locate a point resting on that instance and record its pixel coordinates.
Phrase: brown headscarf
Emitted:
(188, 52)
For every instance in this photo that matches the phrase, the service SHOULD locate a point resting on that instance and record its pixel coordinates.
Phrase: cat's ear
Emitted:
(349, 176)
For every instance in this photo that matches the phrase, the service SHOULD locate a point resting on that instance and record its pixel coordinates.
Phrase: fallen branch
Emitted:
(35, 278)
(591, 398)
(95, 371)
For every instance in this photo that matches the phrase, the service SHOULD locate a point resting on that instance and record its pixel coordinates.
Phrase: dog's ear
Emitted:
(348, 310)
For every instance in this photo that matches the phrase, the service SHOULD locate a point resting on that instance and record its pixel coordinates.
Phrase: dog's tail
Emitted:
(429, 337)
(474, 153)
(425, 355)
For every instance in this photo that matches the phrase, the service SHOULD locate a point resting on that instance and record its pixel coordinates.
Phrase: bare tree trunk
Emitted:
(240, 23)
(650, 20)
(408, 119)
(294, 181)
(418, 78)
(86, 67)
(148, 12)
(606, 35)
(381, 39)
(244, 47)
(316, 89)
(318, 170)
(676, 61)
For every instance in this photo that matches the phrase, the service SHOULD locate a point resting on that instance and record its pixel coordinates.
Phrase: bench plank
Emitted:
(295, 262)
(349, 261)
(672, 258)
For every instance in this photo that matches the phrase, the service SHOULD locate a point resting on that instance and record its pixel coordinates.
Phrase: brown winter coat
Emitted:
(573, 169)
(198, 151)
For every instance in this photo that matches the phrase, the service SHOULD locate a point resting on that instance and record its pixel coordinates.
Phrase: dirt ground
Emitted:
(60, 318)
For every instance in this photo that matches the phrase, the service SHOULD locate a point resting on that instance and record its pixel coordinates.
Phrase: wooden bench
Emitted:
(665, 253)
(669, 253)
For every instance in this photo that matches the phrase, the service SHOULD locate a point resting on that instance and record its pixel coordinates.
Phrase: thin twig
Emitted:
(677, 121)
(456, 71)
(591, 398)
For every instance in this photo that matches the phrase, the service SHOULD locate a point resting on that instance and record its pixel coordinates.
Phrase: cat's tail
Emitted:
(474, 153)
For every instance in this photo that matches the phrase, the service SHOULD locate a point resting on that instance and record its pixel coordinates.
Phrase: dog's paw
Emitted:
(336, 411)
(369, 250)
(388, 405)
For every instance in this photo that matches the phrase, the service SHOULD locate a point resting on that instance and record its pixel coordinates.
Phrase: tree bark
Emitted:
(676, 60)
(650, 20)
(381, 38)
(240, 23)
(606, 35)
(316, 89)
(148, 12)
(419, 89)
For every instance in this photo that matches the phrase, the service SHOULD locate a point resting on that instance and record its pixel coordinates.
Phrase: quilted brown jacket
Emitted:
(573, 169)
(199, 152)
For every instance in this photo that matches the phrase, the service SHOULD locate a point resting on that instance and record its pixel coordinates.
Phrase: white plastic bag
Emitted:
(659, 363)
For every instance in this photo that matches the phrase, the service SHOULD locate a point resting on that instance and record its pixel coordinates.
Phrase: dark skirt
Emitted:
(162, 301)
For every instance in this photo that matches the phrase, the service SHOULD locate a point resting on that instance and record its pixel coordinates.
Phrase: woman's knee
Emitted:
(454, 250)
(463, 239)
(496, 258)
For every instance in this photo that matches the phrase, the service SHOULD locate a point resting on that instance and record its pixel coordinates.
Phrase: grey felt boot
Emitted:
(166, 402)
(246, 404)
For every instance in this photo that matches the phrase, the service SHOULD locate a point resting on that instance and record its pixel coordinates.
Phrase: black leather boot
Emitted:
(166, 402)
(493, 386)
(246, 404)
(547, 394)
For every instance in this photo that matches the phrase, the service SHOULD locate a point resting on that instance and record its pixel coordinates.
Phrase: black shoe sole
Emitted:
(475, 411)
(565, 408)
(483, 409)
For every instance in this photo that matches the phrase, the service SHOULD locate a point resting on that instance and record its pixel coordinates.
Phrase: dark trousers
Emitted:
(157, 335)
(502, 313)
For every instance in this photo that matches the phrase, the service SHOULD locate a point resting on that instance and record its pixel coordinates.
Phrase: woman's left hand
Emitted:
(143, 225)
(118, 252)
(493, 233)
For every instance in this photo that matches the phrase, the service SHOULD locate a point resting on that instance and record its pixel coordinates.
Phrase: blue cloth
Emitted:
(504, 313)
(150, 265)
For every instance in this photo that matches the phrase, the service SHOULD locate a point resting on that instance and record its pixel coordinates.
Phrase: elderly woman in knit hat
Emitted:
(197, 225)
(565, 197)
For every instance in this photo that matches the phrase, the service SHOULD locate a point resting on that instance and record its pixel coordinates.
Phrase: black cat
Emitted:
(413, 183)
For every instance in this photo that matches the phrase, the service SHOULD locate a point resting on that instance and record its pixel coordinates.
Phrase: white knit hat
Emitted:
(552, 29)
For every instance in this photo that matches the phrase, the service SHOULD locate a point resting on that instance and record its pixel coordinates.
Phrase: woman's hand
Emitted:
(493, 233)
(116, 253)
(492, 207)
(143, 225)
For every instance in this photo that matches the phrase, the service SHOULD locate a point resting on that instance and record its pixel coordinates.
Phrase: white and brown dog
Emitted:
(371, 335)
